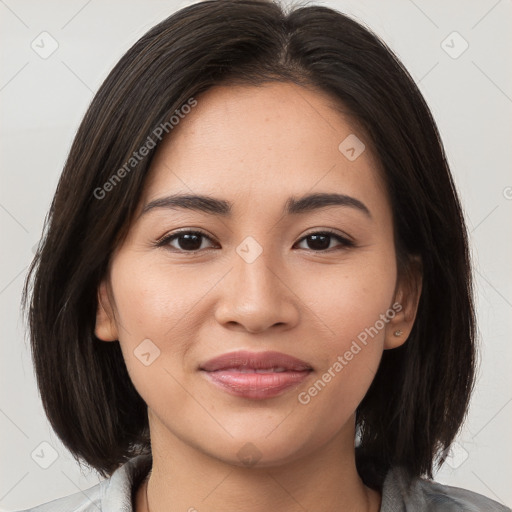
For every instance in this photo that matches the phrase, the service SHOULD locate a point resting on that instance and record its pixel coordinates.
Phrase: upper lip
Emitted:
(255, 360)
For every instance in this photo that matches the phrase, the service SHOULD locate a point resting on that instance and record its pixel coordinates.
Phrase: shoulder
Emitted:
(82, 501)
(401, 493)
(113, 494)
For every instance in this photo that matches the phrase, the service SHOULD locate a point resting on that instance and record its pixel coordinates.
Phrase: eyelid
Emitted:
(345, 241)
(167, 236)
(330, 231)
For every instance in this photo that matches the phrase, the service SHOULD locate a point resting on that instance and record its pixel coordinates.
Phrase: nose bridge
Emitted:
(256, 298)
(255, 269)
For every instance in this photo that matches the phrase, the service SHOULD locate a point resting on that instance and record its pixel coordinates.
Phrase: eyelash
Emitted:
(165, 240)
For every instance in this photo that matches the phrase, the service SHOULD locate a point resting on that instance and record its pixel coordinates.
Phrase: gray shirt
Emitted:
(399, 494)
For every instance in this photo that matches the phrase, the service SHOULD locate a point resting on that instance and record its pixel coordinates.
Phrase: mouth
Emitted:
(254, 361)
(256, 375)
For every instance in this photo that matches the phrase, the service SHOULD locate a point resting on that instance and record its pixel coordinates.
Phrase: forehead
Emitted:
(269, 142)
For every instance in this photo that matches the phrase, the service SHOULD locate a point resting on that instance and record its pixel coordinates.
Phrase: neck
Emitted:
(184, 478)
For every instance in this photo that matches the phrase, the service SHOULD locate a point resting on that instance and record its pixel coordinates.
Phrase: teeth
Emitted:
(262, 370)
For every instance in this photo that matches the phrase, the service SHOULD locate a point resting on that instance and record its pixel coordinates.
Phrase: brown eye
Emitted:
(321, 241)
(185, 241)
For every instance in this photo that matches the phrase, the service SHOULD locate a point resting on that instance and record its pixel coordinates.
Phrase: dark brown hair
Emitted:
(420, 394)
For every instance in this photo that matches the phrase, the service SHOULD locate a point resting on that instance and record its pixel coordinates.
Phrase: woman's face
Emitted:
(255, 279)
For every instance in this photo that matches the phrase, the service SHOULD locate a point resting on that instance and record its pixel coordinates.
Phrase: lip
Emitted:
(255, 360)
(250, 374)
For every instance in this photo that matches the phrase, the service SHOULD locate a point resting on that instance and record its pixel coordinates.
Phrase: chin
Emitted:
(257, 451)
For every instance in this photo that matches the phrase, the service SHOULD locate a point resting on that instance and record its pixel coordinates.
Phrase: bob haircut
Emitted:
(420, 394)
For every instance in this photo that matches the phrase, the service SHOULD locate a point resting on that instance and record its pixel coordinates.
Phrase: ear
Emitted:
(405, 304)
(105, 329)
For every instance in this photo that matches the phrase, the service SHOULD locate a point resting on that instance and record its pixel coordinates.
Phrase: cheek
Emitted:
(354, 312)
(149, 306)
(153, 317)
(331, 400)
(353, 308)
(348, 301)
(159, 302)
(149, 298)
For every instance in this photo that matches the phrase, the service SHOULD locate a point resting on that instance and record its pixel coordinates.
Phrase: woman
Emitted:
(254, 290)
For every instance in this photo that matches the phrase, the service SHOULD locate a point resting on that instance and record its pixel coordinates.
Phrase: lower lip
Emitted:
(257, 386)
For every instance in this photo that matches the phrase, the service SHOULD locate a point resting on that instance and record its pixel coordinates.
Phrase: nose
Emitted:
(257, 295)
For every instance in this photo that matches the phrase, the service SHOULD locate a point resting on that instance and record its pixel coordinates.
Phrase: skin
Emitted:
(256, 147)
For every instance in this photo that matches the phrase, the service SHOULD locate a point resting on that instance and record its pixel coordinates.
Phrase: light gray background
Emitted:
(43, 101)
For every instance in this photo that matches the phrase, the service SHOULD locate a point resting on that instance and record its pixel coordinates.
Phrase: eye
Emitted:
(320, 241)
(186, 241)
(191, 241)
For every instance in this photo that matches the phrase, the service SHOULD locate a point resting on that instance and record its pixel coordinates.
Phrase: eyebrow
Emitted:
(293, 205)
